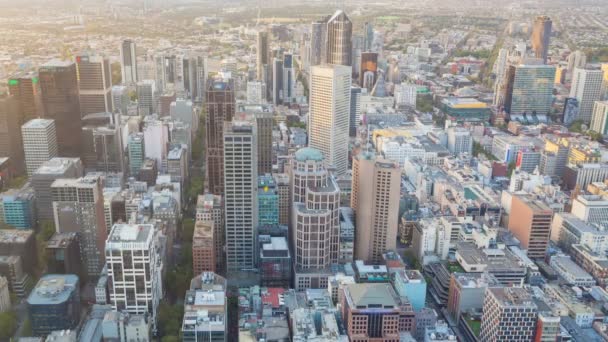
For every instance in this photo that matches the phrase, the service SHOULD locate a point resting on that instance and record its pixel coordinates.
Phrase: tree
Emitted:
(510, 169)
(116, 73)
(8, 325)
(187, 229)
(170, 338)
(169, 319)
(424, 103)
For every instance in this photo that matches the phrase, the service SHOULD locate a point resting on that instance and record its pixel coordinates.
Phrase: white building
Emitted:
(329, 116)
(571, 272)
(460, 140)
(599, 118)
(521, 180)
(405, 95)
(128, 62)
(240, 193)
(135, 268)
(586, 88)
(39, 143)
(256, 92)
(183, 111)
(591, 208)
(156, 139)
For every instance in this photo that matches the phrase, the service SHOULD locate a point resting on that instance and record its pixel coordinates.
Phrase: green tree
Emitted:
(8, 325)
(169, 339)
(169, 319)
(424, 103)
(187, 229)
(116, 73)
(510, 169)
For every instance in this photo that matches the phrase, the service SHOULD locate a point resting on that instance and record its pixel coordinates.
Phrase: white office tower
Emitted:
(405, 95)
(156, 139)
(128, 62)
(586, 88)
(599, 119)
(146, 97)
(94, 84)
(460, 140)
(329, 113)
(240, 192)
(256, 92)
(135, 269)
(39, 143)
(315, 217)
(577, 59)
(120, 99)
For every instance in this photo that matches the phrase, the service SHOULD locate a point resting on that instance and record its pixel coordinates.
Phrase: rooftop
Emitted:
(14, 236)
(60, 240)
(512, 296)
(53, 289)
(57, 63)
(57, 166)
(122, 232)
(38, 123)
(372, 295)
(308, 153)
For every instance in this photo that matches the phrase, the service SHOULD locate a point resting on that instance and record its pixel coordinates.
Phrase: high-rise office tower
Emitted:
(220, 102)
(315, 215)
(94, 84)
(240, 192)
(210, 208)
(541, 35)
(277, 81)
(339, 44)
(102, 139)
(256, 92)
(282, 184)
(78, 208)
(599, 118)
(39, 143)
(59, 84)
(268, 201)
(376, 186)
(586, 88)
(531, 224)
(264, 123)
(25, 87)
(44, 177)
(509, 314)
(288, 76)
(262, 55)
(317, 42)
(529, 89)
(576, 59)
(355, 110)
(135, 265)
(137, 154)
(11, 143)
(146, 97)
(120, 99)
(128, 62)
(369, 69)
(368, 36)
(329, 116)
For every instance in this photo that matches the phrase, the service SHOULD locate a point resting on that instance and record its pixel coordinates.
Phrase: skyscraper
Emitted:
(94, 84)
(586, 88)
(369, 68)
(136, 150)
(210, 208)
(220, 102)
(262, 55)
(355, 110)
(128, 62)
(599, 119)
(509, 314)
(529, 89)
(59, 84)
(316, 217)
(317, 42)
(11, 142)
(78, 208)
(25, 88)
(44, 177)
(39, 143)
(102, 139)
(134, 264)
(576, 59)
(376, 186)
(368, 36)
(240, 192)
(329, 116)
(277, 81)
(288, 76)
(146, 97)
(541, 35)
(339, 44)
(531, 224)
(203, 247)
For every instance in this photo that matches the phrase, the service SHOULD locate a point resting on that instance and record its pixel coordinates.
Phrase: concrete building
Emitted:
(60, 98)
(590, 208)
(583, 174)
(205, 309)
(240, 192)
(134, 262)
(210, 208)
(11, 141)
(203, 247)
(405, 95)
(94, 84)
(18, 208)
(256, 92)
(599, 118)
(78, 208)
(63, 254)
(25, 88)
(329, 116)
(262, 55)
(220, 102)
(122, 326)
(315, 216)
(347, 235)
(5, 297)
(54, 304)
(355, 110)
(498, 322)
(137, 153)
(571, 272)
(44, 177)
(363, 319)
(375, 197)
(586, 88)
(39, 143)
(460, 140)
(120, 100)
(532, 224)
(20, 282)
(156, 141)
(411, 285)
(541, 36)
(146, 97)
(467, 292)
(102, 138)
(128, 62)
(282, 188)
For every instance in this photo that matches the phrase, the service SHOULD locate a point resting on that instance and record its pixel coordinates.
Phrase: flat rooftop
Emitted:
(38, 123)
(372, 295)
(56, 166)
(122, 232)
(53, 289)
(15, 235)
